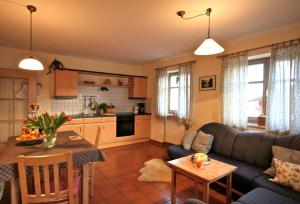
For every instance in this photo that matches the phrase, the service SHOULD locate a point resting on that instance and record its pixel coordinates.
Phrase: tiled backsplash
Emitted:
(118, 96)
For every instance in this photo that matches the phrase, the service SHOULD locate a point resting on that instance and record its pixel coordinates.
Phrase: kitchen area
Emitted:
(112, 107)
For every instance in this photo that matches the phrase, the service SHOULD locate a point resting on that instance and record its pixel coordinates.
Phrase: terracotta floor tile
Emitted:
(117, 199)
(133, 195)
(149, 190)
(143, 200)
(125, 187)
(107, 192)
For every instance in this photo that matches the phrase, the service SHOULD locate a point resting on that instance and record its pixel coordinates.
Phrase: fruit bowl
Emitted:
(29, 139)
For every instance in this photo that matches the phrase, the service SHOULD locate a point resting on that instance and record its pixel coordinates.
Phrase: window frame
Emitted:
(174, 73)
(266, 63)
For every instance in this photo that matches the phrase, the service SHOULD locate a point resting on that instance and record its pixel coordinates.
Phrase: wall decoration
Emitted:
(207, 83)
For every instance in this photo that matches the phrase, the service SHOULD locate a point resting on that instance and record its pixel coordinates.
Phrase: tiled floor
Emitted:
(116, 179)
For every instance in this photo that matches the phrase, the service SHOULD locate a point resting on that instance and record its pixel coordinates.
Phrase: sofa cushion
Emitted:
(284, 154)
(295, 144)
(244, 175)
(188, 139)
(224, 137)
(202, 142)
(263, 181)
(177, 151)
(287, 174)
(264, 152)
(264, 196)
(283, 141)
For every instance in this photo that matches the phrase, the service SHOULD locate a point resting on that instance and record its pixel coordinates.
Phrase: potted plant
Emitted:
(111, 109)
(102, 108)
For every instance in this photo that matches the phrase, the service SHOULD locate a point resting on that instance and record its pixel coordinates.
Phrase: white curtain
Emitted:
(162, 92)
(185, 93)
(283, 104)
(234, 90)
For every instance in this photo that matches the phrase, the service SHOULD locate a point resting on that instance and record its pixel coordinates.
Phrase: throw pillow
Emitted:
(188, 139)
(283, 154)
(287, 174)
(202, 142)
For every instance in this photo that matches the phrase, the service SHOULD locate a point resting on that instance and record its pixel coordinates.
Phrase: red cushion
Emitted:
(63, 184)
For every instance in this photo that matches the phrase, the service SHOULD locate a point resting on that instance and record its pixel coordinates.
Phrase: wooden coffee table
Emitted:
(208, 174)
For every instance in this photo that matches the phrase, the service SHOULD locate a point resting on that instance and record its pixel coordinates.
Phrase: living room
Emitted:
(140, 60)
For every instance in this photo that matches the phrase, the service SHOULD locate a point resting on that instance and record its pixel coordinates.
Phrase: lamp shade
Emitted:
(31, 64)
(209, 47)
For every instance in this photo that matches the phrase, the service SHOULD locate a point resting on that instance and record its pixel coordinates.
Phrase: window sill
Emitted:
(171, 117)
(255, 126)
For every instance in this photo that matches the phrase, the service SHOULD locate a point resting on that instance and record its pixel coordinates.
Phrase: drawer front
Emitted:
(92, 120)
(76, 128)
(143, 117)
(109, 119)
(74, 121)
(100, 119)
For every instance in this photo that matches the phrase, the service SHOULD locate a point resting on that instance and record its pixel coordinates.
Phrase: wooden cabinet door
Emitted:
(142, 128)
(65, 83)
(76, 128)
(108, 132)
(138, 87)
(90, 132)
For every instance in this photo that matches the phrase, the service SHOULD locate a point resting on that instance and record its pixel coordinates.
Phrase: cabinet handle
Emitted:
(80, 129)
(103, 127)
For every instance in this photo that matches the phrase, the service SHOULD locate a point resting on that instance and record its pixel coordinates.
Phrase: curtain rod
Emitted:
(258, 48)
(193, 61)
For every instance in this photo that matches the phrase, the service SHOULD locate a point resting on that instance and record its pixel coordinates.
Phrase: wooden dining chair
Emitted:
(48, 183)
(92, 166)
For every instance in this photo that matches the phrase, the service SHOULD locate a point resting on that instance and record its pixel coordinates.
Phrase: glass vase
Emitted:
(49, 141)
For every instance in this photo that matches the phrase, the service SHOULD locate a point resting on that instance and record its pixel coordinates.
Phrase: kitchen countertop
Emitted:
(81, 115)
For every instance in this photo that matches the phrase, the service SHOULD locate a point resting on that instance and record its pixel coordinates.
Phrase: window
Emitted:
(258, 70)
(173, 93)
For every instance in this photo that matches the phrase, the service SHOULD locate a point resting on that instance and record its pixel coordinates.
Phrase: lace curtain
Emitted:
(234, 90)
(162, 92)
(185, 93)
(283, 104)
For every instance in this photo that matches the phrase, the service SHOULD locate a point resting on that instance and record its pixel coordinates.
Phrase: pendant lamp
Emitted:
(31, 63)
(208, 46)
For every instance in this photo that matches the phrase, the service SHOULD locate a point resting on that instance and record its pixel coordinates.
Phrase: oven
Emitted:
(125, 124)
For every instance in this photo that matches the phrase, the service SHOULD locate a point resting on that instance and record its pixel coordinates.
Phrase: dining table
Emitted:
(84, 153)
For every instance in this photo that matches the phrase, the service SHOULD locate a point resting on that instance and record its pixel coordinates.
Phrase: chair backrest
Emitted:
(49, 190)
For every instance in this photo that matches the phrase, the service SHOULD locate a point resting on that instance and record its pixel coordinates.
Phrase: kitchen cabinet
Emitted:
(76, 128)
(138, 87)
(75, 125)
(88, 128)
(108, 132)
(90, 132)
(142, 126)
(107, 127)
(65, 84)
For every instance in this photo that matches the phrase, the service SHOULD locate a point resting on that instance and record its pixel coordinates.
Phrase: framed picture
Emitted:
(207, 83)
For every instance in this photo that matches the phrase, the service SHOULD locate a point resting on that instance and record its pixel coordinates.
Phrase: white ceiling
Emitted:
(137, 31)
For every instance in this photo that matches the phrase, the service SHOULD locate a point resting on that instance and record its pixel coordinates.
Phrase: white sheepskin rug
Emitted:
(155, 170)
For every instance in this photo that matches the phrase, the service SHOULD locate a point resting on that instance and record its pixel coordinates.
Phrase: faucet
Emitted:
(84, 106)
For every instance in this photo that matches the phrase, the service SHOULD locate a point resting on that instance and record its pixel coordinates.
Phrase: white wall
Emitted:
(9, 58)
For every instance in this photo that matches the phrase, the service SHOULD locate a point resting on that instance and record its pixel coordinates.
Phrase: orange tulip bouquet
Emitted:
(45, 124)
